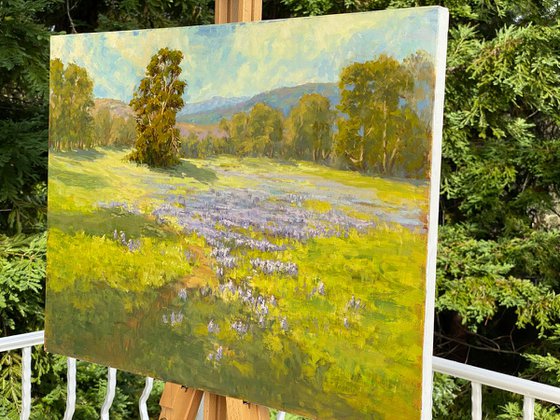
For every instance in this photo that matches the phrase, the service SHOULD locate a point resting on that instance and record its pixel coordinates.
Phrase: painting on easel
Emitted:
(250, 209)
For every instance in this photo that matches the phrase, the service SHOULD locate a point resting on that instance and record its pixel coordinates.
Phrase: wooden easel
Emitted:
(180, 403)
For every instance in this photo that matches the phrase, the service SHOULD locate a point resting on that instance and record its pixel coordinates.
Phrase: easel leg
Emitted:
(238, 410)
(214, 407)
(178, 403)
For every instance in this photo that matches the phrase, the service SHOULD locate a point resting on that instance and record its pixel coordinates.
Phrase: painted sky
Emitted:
(236, 60)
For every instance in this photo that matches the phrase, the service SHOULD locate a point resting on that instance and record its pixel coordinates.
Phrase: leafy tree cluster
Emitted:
(111, 129)
(200, 148)
(380, 126)
(71, 106)
(383, 132)
(256, 133)
(74, 120)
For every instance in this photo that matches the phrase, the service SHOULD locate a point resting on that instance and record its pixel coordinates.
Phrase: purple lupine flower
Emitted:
(182, 294)
(219, 354)
(213, 328)
(240, 327)
(176, 318)
(205, 291)
(284, 324)
(133, 245)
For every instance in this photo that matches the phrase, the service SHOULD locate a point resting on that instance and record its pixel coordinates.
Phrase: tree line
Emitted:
(382, 124)
(74, 121)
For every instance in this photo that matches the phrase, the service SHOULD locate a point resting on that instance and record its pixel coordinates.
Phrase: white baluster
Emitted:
(528, 408)
(70, 388)
(281, 415)
(476, 401)
(111, 385)
(25, 383)
(144, 397)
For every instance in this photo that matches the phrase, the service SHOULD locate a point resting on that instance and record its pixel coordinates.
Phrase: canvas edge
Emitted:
(47, 316)
(398, 10)
(437, 124)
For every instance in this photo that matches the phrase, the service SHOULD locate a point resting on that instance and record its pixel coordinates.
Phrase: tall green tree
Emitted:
(421, 67)
(256, 133)
(156, 102)
(264, 129)
(71, 105)
(369, 135)
(309, 128)
(236, 130)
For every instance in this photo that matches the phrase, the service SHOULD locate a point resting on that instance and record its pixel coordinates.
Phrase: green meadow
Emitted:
(286, 282)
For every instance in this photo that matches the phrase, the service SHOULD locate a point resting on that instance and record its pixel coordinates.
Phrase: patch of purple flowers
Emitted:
(213, 328)
(119, 205)
(216, 355)
(275, 267)
(240, 327)
(131, 244)
(173, 318)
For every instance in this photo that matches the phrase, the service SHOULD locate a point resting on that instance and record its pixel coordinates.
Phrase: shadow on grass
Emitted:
(258, 162)
(81, 155)
(77, 179)
(105, 221)
(188, 170)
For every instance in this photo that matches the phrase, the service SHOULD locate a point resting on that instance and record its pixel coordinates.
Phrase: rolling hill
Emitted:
(212, 111)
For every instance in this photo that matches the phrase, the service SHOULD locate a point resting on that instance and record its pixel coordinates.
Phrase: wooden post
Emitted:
(227, 11)
(177, 402)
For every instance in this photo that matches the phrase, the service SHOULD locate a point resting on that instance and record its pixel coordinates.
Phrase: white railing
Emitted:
(530, 390)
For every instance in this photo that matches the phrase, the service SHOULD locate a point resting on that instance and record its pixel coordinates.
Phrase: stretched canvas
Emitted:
(251, 209)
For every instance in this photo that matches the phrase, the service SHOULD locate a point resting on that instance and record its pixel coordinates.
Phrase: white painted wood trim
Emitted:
(142, 403)
(16, 342)
(476, 401)
(25, 383)
(111, 387)
(528, 408)
(487, 377)
(70, 388)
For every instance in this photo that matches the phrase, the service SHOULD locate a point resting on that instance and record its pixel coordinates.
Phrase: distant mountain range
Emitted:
(216, 102)
(213, 110)
(202, 118)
